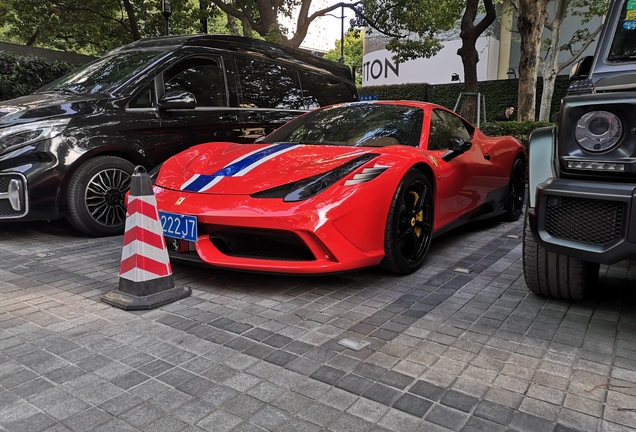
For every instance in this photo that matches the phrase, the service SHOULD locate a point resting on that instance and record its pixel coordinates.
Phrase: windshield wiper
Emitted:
(65, 89)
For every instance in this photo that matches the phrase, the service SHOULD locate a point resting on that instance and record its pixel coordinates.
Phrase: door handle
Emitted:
(254, 117)
(487, 156)
(228, 117)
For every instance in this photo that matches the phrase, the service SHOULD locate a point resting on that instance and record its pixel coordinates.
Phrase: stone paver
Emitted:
(448, 350)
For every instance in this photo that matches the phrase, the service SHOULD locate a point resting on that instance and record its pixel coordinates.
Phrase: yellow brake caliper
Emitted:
(418, 217)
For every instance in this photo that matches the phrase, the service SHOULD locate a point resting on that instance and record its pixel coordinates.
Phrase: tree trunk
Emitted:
(468, 52)
(549, 82)
(33, 38)
(132, 20)
(530, 22)
(231, 25)
(550, 65)
(247, 28)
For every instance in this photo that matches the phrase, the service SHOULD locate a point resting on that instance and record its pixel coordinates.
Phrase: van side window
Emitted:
(145, 98)
(319, 90)
(202, 77)
(445, 125)
(269, 85)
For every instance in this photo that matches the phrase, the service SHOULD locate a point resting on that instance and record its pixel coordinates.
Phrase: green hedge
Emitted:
(519, 130)
(22, 75)
(498, 94)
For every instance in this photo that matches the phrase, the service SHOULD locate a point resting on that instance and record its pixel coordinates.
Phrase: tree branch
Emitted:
(374, 25)
(491, 16)
(578, 52)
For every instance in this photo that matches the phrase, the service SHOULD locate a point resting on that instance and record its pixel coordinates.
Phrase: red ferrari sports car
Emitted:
(339, 188)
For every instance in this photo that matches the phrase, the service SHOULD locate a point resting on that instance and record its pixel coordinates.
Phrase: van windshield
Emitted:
(104, 74)
(624, 44)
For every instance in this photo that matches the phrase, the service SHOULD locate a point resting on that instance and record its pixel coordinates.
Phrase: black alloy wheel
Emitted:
(105, 196)
(516, 192)
(97, 193)
(410, 224)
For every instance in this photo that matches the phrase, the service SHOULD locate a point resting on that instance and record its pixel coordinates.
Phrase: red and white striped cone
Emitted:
(145, 277)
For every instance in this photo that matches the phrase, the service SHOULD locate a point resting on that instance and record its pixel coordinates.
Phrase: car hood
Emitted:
(243, 169)
(43, 106)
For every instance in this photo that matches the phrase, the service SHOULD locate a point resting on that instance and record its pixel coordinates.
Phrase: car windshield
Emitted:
(104, 74)
(624, 42)
(359, 125)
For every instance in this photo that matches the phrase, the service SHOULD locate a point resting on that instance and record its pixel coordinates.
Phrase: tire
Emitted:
(96, 194)
(516, 192)
(409, 226)
(554, 275)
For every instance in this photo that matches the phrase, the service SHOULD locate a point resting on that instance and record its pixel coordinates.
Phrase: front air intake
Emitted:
(596, 222)
(262, 244)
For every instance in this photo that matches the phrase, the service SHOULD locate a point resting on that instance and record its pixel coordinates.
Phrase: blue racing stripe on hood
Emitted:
(201, 181)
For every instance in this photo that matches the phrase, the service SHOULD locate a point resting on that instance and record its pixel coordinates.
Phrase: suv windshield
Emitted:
(624, 42)
(104, 74)
(364, 125)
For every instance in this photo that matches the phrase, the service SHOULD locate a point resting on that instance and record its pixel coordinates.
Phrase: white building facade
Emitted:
(499, 55)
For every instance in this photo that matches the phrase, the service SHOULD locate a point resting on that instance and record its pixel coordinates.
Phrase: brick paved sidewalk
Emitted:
(448, 350)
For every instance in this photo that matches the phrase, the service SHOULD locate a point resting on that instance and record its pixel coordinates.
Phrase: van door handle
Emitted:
(254, 117)
(228, 118)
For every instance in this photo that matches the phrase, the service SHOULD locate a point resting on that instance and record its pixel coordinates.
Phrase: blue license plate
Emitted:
(179, 226)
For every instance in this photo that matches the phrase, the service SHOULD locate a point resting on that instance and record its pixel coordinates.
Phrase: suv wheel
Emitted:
(554, 275)
(96, 195)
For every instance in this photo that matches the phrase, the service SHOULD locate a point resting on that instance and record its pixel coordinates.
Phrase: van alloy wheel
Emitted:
(96, 195)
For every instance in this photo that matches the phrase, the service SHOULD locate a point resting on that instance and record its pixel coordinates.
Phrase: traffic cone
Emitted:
(145, 277)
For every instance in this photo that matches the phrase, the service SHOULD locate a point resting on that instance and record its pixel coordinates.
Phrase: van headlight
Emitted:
(598, 131)
(20, 135)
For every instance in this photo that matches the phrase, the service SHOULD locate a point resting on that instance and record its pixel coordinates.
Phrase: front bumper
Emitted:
(38, 176)
(264, 235)
(591, 221)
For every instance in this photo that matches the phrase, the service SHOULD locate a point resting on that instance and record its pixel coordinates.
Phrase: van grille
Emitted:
(259, 243)
(596, 222)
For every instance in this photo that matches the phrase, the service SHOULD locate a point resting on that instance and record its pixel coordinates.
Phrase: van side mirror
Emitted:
(456, 146)
(581, 69)
(177, 100)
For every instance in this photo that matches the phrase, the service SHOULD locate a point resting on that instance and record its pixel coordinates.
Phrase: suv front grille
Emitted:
(596, 222)
(260, 243)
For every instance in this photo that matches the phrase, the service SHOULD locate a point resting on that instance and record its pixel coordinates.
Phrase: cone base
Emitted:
(129, 302)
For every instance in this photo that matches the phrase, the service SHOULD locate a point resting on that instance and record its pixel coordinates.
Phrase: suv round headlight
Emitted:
(598, 131)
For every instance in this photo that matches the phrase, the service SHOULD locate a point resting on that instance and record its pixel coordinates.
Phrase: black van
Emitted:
(68, 150)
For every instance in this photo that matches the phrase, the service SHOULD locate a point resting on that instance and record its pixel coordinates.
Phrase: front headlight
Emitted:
(598, 131)
(312, 186)
(20, 135)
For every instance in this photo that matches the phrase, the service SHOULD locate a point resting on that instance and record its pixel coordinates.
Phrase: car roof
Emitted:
(243, 45)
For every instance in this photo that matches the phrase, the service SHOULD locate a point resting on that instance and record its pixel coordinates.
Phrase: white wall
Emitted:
(378, 67)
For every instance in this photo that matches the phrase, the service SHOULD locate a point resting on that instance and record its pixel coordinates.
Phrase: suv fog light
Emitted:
(597, 166)
(14, 193)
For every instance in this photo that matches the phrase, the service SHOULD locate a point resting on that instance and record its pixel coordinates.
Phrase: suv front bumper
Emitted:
(591, 221)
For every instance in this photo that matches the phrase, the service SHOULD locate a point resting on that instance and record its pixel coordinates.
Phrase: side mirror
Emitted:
(177, 100)
(555, 117)
(456, 146)
(581, 69)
